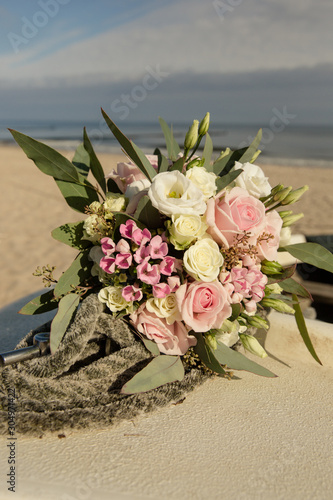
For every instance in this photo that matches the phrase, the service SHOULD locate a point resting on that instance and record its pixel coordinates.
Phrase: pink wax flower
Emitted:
(203, 305)
(141, 254)
(170, 339)
(174, 283)
(248, 284)
(108, 264)
(147, 273)
(161, 290)
(126, 230)
(167, 266)
(132, 293)
(108, 246)
(141, 236)
(232, 213)
(123, 246)
(124, 260)
(158, 249)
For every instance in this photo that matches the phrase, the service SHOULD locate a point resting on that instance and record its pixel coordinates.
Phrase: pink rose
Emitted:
(268, 247)
(232, 213)
(170, 339)
(203, 305)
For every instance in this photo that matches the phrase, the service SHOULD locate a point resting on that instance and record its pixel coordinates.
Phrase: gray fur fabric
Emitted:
(78, 387)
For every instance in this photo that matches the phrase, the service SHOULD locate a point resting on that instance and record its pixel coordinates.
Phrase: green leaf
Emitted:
(247, 156)
(163, 163)
(207, 153)
(236, 310)
(61, 321)
(226, 179)
(161, 370)
(221, 164)
(81, 161)
(131, 149)
(178, 165)
(303, 329)
(49, 161)
(112, 186)
(236, 361)
(77, 196)
(312, 253)
(71, 235)
(151, 346)
(277, 278)
(76, 274)
(171, 144)
(41, 304)
(147, 214)
(292, 286)
(96, 167)
(206, 355)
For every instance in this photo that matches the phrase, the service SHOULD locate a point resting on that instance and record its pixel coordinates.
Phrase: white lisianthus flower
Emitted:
(112, 297)
(252, 179)
(114, 202)
(185, 229)
(172, 193)
(285, 236)
(93, 227)
(228, 334)
(165, 307)
(136, 187)
(203, 260)
(204, 180)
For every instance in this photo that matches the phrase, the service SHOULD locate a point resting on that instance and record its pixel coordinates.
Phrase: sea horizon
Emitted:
(298, 145)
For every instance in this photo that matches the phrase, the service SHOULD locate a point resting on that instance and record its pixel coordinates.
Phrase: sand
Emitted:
(32, 206)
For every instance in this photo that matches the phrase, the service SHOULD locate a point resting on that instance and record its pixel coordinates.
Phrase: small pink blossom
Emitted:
(108, 264)
(141, 236)
(123, 246)
(132, 293)
(174, 283)
(158, 249)
(147, 273)
(126, 230)
(141, 254)
(108, 246)
(167, 266)
(248, 284)
(161, 290)
(124, 260)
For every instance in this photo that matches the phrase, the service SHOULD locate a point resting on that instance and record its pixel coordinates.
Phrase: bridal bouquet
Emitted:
(182, 247)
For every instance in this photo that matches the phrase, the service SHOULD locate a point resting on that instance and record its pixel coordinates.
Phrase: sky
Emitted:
(245, 61)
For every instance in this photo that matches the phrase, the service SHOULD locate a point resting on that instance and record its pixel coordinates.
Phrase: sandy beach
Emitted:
(32, 206)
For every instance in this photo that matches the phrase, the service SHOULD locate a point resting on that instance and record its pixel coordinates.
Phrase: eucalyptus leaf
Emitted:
(285, 274)
(147, 214)
(220, 164)
(81, 161)
(251, 150)
(312, 253)
(178, 165)
(303, 329)
(171, 144)
(71, 234)
(49, 161)
(77, 196)
(41, 304)
(292, 286)
(163, 163)
(236, 310)
(206, 355)
(225, 180)
(131, 149)
(161, 370)
(151, 346)
(207, 153)
(96, 167)
(61, 321)
(237, 361)
(112, 186)
(77, 273)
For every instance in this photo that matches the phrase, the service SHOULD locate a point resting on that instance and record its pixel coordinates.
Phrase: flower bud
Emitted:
(192, 135)
(256, 321)
(294, 195)
(224, 153)
(211, 341)
(204, 124)
(282, 194)
(252, 345)
(285, 213)
(278, 305)
(277, 188)
(291, 219)
(271, 267)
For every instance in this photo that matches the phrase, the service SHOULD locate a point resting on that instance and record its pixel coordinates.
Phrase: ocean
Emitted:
(293, 145)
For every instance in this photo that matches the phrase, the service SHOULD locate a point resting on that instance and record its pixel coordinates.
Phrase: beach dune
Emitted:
(32, 206)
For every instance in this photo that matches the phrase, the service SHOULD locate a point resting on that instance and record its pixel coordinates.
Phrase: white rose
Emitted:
(204, 180)
(114, 202)
(136, 187)
(165, 307)
(203, 260)
(112, 297)
(252, 179)
(172, 193)
(185, 229)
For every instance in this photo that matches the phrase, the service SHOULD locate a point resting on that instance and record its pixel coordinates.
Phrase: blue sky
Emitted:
(239, 59)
